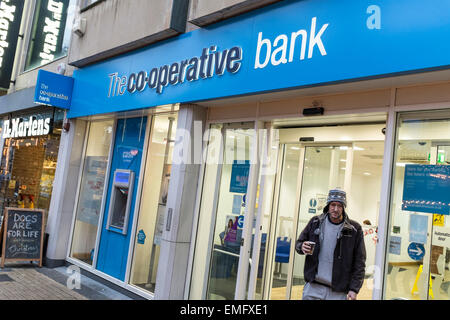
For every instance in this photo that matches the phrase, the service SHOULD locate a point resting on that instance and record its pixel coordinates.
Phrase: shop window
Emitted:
(28, 165)
(222, 209)
(418, 250)
(91, 190)
(153, 202)
(51, 31)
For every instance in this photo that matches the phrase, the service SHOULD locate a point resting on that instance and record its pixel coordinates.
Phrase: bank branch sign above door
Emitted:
(288, 45)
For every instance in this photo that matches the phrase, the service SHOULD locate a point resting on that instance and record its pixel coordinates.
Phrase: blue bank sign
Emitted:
(288, 45)
(53, 89)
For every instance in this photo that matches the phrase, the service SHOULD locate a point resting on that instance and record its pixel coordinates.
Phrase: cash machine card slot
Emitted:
(120, 202)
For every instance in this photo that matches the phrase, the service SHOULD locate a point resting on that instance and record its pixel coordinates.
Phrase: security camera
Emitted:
(79, 27)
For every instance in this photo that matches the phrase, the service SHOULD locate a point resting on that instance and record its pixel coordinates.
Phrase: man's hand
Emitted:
(351, 295)
(306, 247)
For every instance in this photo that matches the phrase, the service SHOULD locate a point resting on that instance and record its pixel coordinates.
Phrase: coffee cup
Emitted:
(312, 244)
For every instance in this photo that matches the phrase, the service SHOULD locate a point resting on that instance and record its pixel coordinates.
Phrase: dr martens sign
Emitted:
(22, 128)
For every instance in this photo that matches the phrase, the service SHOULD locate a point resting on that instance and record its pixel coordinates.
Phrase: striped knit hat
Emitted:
(337, 195)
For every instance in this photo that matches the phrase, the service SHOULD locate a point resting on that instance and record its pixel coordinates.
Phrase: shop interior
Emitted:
(28, 167)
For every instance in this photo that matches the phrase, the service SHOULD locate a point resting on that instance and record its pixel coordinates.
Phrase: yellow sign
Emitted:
(438, 220)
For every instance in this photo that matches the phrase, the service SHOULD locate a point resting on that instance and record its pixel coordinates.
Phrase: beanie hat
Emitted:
(337, 195)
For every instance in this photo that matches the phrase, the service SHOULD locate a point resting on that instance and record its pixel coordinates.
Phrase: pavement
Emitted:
(27, 281)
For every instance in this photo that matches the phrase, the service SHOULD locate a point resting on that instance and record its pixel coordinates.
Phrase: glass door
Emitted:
(155, 189)
(307, 173)
(223, 210)
(419, 241)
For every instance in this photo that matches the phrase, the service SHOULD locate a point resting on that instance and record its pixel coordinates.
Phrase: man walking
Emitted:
(336, 255)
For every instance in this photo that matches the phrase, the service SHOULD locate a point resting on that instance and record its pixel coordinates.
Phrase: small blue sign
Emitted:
(239, 176)
(416, 251)
(53, 89)
(312, 202)
(141, 237)
(240, 222)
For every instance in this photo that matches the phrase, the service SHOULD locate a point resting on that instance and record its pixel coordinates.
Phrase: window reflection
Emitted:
(91, 190)
(418, 255)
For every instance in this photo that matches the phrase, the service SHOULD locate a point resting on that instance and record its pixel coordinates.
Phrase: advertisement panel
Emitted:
(10, 19)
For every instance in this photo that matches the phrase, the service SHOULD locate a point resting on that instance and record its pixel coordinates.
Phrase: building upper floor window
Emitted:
(51, 31)
(87, 3)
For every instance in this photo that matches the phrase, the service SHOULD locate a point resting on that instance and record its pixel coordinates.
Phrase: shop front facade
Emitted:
(30, 145)
(198, 168)
(121, 198)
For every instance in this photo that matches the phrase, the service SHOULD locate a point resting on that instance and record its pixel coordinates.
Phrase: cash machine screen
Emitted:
(122, 178)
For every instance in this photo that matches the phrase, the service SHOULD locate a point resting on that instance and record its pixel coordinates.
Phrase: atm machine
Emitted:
(121, 199)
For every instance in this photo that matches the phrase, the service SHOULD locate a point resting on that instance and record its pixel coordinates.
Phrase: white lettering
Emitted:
(7, 11)
(294, 36)
(6, 17)
(315, 39)
(281, 44)
(51, 31)
(282, 49)
(268, 44)
(18, 128)
(374, 21)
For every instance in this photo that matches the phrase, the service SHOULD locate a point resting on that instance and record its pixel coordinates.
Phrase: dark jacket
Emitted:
(349, 256)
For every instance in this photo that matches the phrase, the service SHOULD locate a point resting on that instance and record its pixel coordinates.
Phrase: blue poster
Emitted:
(418, 228)
(239, 176)
(426, 188)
